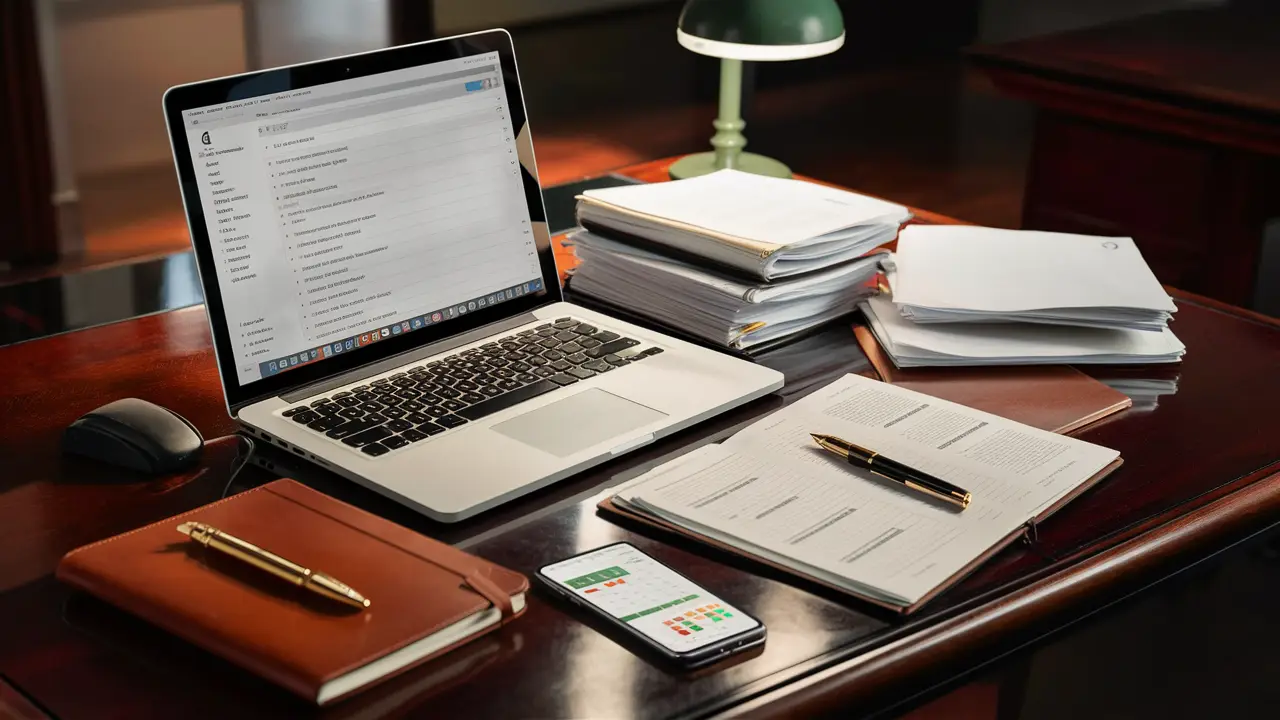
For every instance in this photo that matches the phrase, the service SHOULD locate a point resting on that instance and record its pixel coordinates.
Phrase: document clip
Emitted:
(1031, 532)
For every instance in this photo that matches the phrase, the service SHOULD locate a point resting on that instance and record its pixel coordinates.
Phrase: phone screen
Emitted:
(651, 598)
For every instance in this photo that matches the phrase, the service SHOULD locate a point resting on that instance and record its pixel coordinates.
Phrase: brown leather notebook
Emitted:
(1056, 398)
(425, 597)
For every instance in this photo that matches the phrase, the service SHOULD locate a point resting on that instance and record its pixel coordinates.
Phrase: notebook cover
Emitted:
(296, 639)
(1056, 398)
(609, 506)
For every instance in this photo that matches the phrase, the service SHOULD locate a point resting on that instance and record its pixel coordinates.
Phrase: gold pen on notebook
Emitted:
(893, 470)
(305, 578)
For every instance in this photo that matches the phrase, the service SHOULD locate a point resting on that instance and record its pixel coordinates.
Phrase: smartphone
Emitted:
(666, 611)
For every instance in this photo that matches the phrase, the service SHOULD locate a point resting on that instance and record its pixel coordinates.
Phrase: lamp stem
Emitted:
(729, 140)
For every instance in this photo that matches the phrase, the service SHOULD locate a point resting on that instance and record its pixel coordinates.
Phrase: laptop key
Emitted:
(416, 418)
(359, 388)
(395, 441)
(509, 384)
(408, 394)
(413, 435)
(294, 410)
(374, 418)
(502, 402)
(430, 428)
(472, 398)
(450, 421)
(399, 425)
(612, 347)
(381, 381)
(503, 373)
(321, 401)
(546, 331)
(436, 411)
(561, 365)
(375, 449)
(348, 428)
(453, 405)
(580, 373)
(340, 395)
(329, 409)
(605, 336)
(366, 396)
(617, 361)
(537, 360)
(544, 372)
(564, 323)
(394, 376)
(395, 413)
(467, 386)
(519, 367)
(565, 336)
(491, 391)
(570, 348)
(553, 355)
(372, 407)
(372, 435)
(448, 393)
(347, 401)
(563, 379)
(597, 366)
(527, 378)
(412, 406)
(404, 382)
(351, 413)
(585, 329)
(484, 379)
(589, 342)
(326, 423)
(577, 358)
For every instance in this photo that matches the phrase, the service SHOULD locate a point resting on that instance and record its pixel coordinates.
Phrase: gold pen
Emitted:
(317, 582)
(893, 470)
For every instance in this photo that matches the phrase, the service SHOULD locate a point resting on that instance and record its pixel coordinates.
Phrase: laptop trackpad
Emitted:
(566, 426)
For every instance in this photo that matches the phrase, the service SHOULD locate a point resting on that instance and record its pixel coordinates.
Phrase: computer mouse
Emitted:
(135, 434)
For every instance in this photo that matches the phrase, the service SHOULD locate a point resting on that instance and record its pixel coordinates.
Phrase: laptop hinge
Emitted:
(407, 357)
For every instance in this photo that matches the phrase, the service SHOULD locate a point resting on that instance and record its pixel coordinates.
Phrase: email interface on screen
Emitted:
(347, 213)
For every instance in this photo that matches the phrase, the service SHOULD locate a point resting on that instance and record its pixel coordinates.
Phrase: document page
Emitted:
(768, 212)
(939, 267)
(773, 492)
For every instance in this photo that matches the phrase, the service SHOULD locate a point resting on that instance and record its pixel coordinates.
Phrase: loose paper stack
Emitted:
(734, 258)
(953, 274)
(912, 344)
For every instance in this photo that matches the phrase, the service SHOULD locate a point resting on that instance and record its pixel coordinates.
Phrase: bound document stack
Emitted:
(982, 296)
(952, 273)
(733, 258)
(770, 494)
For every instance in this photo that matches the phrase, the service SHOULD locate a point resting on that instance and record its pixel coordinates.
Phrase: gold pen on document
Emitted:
(893, 470)
(305, 578)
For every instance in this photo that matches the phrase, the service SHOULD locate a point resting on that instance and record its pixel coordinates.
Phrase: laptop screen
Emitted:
(343, 214)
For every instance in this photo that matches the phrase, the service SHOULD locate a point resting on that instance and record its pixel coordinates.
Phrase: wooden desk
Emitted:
(1201, 470)
(1166, 128)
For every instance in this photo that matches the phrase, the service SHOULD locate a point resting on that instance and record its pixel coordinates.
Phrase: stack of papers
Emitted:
(736, 259)
(750, 225)
(712, 305)
(957, 274)
(912, 344)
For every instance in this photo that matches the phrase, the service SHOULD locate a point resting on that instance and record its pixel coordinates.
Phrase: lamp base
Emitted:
(704, 163)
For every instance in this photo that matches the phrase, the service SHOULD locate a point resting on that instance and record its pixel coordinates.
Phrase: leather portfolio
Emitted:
(1057, 398)
(425, 596)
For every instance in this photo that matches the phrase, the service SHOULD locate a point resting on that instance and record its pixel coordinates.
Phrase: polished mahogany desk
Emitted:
(1202, 471)
(1165, 128)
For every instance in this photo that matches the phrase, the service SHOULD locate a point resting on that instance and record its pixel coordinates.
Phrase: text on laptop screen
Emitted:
(346, 213)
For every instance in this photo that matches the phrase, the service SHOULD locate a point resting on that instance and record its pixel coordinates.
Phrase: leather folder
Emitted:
(1057, 398)
(426, 597)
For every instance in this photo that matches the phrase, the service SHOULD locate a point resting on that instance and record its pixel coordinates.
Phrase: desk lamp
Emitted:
(737, 30)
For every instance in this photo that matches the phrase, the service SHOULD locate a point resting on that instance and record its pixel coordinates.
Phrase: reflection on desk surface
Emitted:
(48, 306)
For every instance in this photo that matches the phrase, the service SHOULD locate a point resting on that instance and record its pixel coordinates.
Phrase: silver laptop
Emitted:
(382, 291)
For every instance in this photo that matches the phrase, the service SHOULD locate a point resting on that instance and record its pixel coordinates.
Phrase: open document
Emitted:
(770, 492)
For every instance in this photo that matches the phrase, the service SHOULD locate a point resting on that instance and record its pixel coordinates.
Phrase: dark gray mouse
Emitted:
(135, 434)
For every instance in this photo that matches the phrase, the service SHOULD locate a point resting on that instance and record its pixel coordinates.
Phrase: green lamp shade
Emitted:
(761, 29)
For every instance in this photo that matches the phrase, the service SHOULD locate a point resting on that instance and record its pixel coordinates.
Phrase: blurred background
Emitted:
(933, 103)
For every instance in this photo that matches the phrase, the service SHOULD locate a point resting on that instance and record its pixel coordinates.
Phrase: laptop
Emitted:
(381, 287)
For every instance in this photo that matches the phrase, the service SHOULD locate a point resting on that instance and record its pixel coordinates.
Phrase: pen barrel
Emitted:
(335, 589)
(918, 480)
(257, 557)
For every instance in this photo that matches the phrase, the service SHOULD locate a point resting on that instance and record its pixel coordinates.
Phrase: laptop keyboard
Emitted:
(396, 411)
